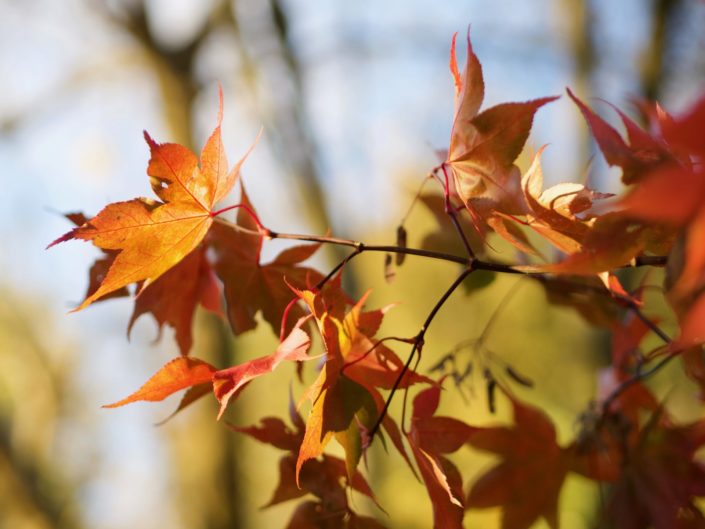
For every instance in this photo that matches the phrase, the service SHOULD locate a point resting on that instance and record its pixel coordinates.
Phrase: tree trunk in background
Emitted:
(37, 489)
(654, 67)
(579, 17)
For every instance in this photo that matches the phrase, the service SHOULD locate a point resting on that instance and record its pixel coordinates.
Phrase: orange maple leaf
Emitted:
(150, 237)
(177, 374)
(662, 478)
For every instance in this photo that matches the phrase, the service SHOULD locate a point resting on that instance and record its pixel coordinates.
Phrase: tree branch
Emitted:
(418, 345)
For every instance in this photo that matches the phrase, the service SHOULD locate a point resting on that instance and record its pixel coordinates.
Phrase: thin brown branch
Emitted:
(453, 214)
(418, 346)
(641, 375)
(637, 377)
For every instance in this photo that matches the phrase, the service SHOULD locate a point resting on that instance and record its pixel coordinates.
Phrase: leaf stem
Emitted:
(245, 208)
(453, 214)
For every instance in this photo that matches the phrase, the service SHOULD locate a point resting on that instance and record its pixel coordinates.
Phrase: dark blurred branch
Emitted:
(31, 480)
(582, 45)
(654, 67)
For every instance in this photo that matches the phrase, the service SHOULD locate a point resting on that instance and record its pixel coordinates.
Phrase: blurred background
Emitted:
(353, 98)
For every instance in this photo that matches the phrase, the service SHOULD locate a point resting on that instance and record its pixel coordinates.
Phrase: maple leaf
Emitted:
(195, 281)
(554, 211)
(341, 408)
(227, 382)
(368, 362)
(613, 241)
(431, 436)
(528, 480)
(180, 373)
(660, 479)
(484, 146)
(250, 286)
(674, 196)
(150, 237)
(100, 267)
(323, 478)
(345, 398)
(642, 154)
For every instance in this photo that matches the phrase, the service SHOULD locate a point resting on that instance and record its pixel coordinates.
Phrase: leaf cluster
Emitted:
(178, 251)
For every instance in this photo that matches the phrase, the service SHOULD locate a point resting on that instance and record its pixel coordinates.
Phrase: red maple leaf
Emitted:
(195, 281)
(326, 478)
(660, 479)
(250, 286)
(430, 437)
(528, 480)
(484, 145)
(643, 153)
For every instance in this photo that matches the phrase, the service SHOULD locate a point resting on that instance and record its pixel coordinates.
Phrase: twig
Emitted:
(453, 214)
(418, 345)
(637, 377)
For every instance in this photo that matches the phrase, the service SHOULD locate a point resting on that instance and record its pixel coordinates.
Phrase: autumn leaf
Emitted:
(553, 212)
(180, 373)
(195, 281)
(341, 408)
(528, 480)
(227, 382)
(636, 159)
(430, 437)
(613, 241)
(100, 267)
(674, 196)
(324, 477)
(368, 361)
(484, 146)
(250, 286)
(150, 237)
(660, 480)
